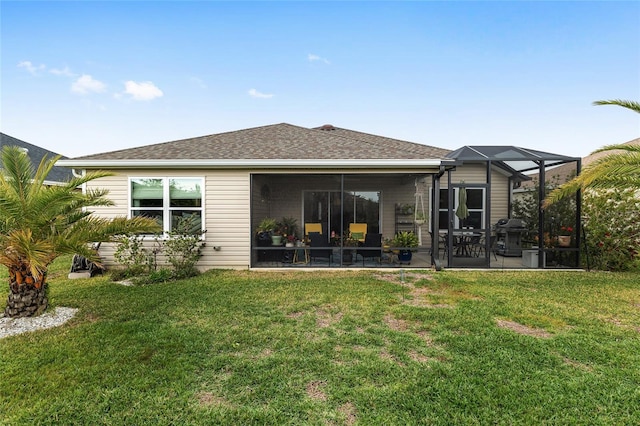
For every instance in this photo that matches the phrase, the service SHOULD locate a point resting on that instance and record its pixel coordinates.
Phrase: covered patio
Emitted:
(347, 210)
(455, 211)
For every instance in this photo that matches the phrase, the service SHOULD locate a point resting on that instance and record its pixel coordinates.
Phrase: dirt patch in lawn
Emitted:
(315, 390)
(418, 357)
(396, 324)
(295, 315)
(326, 318)
(419, 295)
(409, 277)
(348, 410)
(208, 399)
(523, 329)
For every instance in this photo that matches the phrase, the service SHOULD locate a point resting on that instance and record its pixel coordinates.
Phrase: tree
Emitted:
(618, 170)
(38, 223)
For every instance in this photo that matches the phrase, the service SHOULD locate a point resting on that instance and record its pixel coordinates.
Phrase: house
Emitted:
(325, 177)
(57, 175)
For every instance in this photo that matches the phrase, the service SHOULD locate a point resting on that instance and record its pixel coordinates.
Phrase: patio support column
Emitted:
(450, 220)
(541, 196)
(435, 219)
(487, 217)
(578, 226)
(341, 218)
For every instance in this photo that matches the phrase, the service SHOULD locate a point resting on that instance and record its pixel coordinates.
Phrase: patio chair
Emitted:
(317, 240)
(312, 227)
(371, 248)
(358, 231)
(479, 246)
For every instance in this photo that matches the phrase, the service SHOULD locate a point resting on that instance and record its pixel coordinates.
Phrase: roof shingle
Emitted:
(36, 153)
(278, 141)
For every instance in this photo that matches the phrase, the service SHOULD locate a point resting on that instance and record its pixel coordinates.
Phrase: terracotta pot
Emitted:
(564, 240)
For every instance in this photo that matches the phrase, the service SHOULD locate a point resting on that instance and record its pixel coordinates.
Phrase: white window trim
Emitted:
(456, 197)
(166, 209)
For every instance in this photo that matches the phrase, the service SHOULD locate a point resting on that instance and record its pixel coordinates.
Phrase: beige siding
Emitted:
(226, 200)
(476, 173)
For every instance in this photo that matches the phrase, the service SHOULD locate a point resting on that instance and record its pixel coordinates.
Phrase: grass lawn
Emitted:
(332, 348)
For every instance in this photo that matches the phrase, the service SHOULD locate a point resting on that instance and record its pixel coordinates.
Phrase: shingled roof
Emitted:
(58, 174)
(279, 142)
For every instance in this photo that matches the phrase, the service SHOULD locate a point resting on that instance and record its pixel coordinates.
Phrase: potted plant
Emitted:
(288, 226)
(564, 239)
(348, 243)
(420, 218)
(267, 228)
(405, 241)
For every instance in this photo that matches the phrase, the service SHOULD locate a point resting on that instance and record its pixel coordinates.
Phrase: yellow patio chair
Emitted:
(358, 231)
(312, 227)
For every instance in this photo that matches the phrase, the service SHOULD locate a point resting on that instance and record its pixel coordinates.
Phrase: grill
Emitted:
(509, 237)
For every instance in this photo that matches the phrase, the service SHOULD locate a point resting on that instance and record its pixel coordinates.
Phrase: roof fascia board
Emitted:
(251, 164)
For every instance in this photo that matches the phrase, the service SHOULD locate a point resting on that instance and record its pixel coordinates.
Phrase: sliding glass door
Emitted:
(327, 208)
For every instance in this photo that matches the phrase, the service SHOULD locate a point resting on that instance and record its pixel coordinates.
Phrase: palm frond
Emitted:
(618, 147)
(633, 106)
(17, 171)
(22, 247)
(614, 171)
(41, 173)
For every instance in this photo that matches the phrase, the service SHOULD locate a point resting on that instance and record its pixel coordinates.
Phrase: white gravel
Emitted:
(12, 326)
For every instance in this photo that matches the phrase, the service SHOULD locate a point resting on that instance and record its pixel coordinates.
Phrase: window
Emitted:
(475, 205)
(167, 200)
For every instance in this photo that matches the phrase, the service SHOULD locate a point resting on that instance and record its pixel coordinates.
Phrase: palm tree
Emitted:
(615, 171)
(38, 223)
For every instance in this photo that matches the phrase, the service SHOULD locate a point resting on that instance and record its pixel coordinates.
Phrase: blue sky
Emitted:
(87, 77)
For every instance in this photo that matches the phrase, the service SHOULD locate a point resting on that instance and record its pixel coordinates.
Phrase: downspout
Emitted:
(79, 174)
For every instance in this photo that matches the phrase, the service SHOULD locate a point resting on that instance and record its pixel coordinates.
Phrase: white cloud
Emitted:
(255, 94)
(66, 72)
(199, 82)
(314, 58)
(143, 91)
(33, 69)
(86, 84)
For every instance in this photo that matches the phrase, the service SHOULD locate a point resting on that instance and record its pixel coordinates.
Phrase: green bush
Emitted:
(183, 247)
(612, 224)
(558, 215)
(131, 254)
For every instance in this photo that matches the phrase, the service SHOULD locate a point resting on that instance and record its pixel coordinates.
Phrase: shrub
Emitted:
(612, 224)
(558, 215)
(183, 247)
(131, 254)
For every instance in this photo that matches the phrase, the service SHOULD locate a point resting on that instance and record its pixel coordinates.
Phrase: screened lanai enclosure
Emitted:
(339, 220)
(460, 215)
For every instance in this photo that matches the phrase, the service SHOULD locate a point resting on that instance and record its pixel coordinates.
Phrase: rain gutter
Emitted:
(253, 164)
